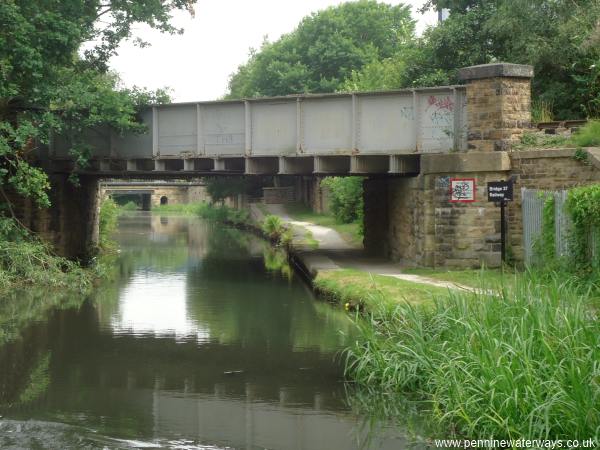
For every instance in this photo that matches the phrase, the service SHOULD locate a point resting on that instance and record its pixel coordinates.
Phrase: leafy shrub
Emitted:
(273, 227)
(11, 231)
(346, 198)
(129, 206)
(589, 135)
(109, 213)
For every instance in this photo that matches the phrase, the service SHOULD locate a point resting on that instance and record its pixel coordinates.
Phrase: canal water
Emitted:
(203, 340)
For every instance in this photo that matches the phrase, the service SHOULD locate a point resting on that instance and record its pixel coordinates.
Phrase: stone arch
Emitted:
(164, 200)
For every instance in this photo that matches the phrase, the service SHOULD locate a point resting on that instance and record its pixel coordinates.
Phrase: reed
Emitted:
(518, 362)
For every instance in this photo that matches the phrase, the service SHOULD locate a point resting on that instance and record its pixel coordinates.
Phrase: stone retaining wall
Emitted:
(413, 221)
(551, 170)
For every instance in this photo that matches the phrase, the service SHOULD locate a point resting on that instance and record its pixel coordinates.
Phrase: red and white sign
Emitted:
(462, 190)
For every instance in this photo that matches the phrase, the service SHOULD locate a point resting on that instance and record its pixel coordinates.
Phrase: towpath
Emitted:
(323, 248)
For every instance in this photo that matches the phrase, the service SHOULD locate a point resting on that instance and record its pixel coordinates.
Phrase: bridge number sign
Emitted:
(500, 191)
(462, 190)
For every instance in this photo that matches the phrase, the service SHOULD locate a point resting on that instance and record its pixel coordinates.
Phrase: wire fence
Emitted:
(533, 201)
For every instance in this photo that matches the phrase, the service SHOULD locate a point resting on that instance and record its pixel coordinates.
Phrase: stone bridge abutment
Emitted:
(70, 224)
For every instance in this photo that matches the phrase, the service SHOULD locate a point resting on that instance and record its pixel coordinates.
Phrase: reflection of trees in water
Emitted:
(24, 354)
(228, 243)
(272, 328)
(21, 308)
(276, 260)
(24, 376)
(37, 381)
(239, 302)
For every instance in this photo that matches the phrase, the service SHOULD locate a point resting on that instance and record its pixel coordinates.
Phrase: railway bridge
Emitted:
(410, 145)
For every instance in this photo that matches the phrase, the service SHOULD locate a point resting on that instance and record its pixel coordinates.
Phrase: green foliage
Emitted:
(519, 362)
(46, 87)
(376, 75)
(207, 211)
(26, 260)
(276, 260)
(531, 140)
(541, 111)
(109, 213)
(194, 209)
(546, 246)
(273, 227)
(321, 53)
(582, 260)
(39, 380)
(561, 39)
(351, 232)
(588, 135)
(367, 292)
(129, 206)
(346, 198)
(581, 155)
(583, 204)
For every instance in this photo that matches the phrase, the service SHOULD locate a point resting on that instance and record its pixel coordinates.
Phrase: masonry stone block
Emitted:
(498, 104)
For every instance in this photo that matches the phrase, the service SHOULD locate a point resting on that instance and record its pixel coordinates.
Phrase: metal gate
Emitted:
(533, 202)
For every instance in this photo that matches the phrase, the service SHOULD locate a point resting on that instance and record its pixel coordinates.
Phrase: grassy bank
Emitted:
(361, 290)
(520, 363)
(33, 279)
(25, 260)
(469, 277)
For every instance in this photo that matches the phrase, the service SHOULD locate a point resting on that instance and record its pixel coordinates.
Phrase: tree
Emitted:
(560, 38)
(321, 53)
(47, 87)
(346, 198)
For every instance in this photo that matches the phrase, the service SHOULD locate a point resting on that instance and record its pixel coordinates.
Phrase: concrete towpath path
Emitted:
(334, 252)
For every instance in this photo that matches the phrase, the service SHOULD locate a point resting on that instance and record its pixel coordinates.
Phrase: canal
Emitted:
(203, 339)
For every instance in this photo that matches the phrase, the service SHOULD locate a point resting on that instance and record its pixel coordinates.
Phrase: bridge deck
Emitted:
(369, 132)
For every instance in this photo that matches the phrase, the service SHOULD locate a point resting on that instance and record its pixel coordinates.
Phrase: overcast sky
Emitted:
(196, 65)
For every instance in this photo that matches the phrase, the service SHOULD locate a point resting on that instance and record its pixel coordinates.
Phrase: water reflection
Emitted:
(194, 342)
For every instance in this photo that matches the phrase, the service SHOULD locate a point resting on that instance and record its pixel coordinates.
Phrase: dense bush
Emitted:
(129, 206)
(589, 135)
(109, 213)
(346, 194)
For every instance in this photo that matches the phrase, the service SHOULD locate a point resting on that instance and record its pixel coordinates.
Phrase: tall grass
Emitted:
(26, 260)
(522, 363)
(541, 111)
